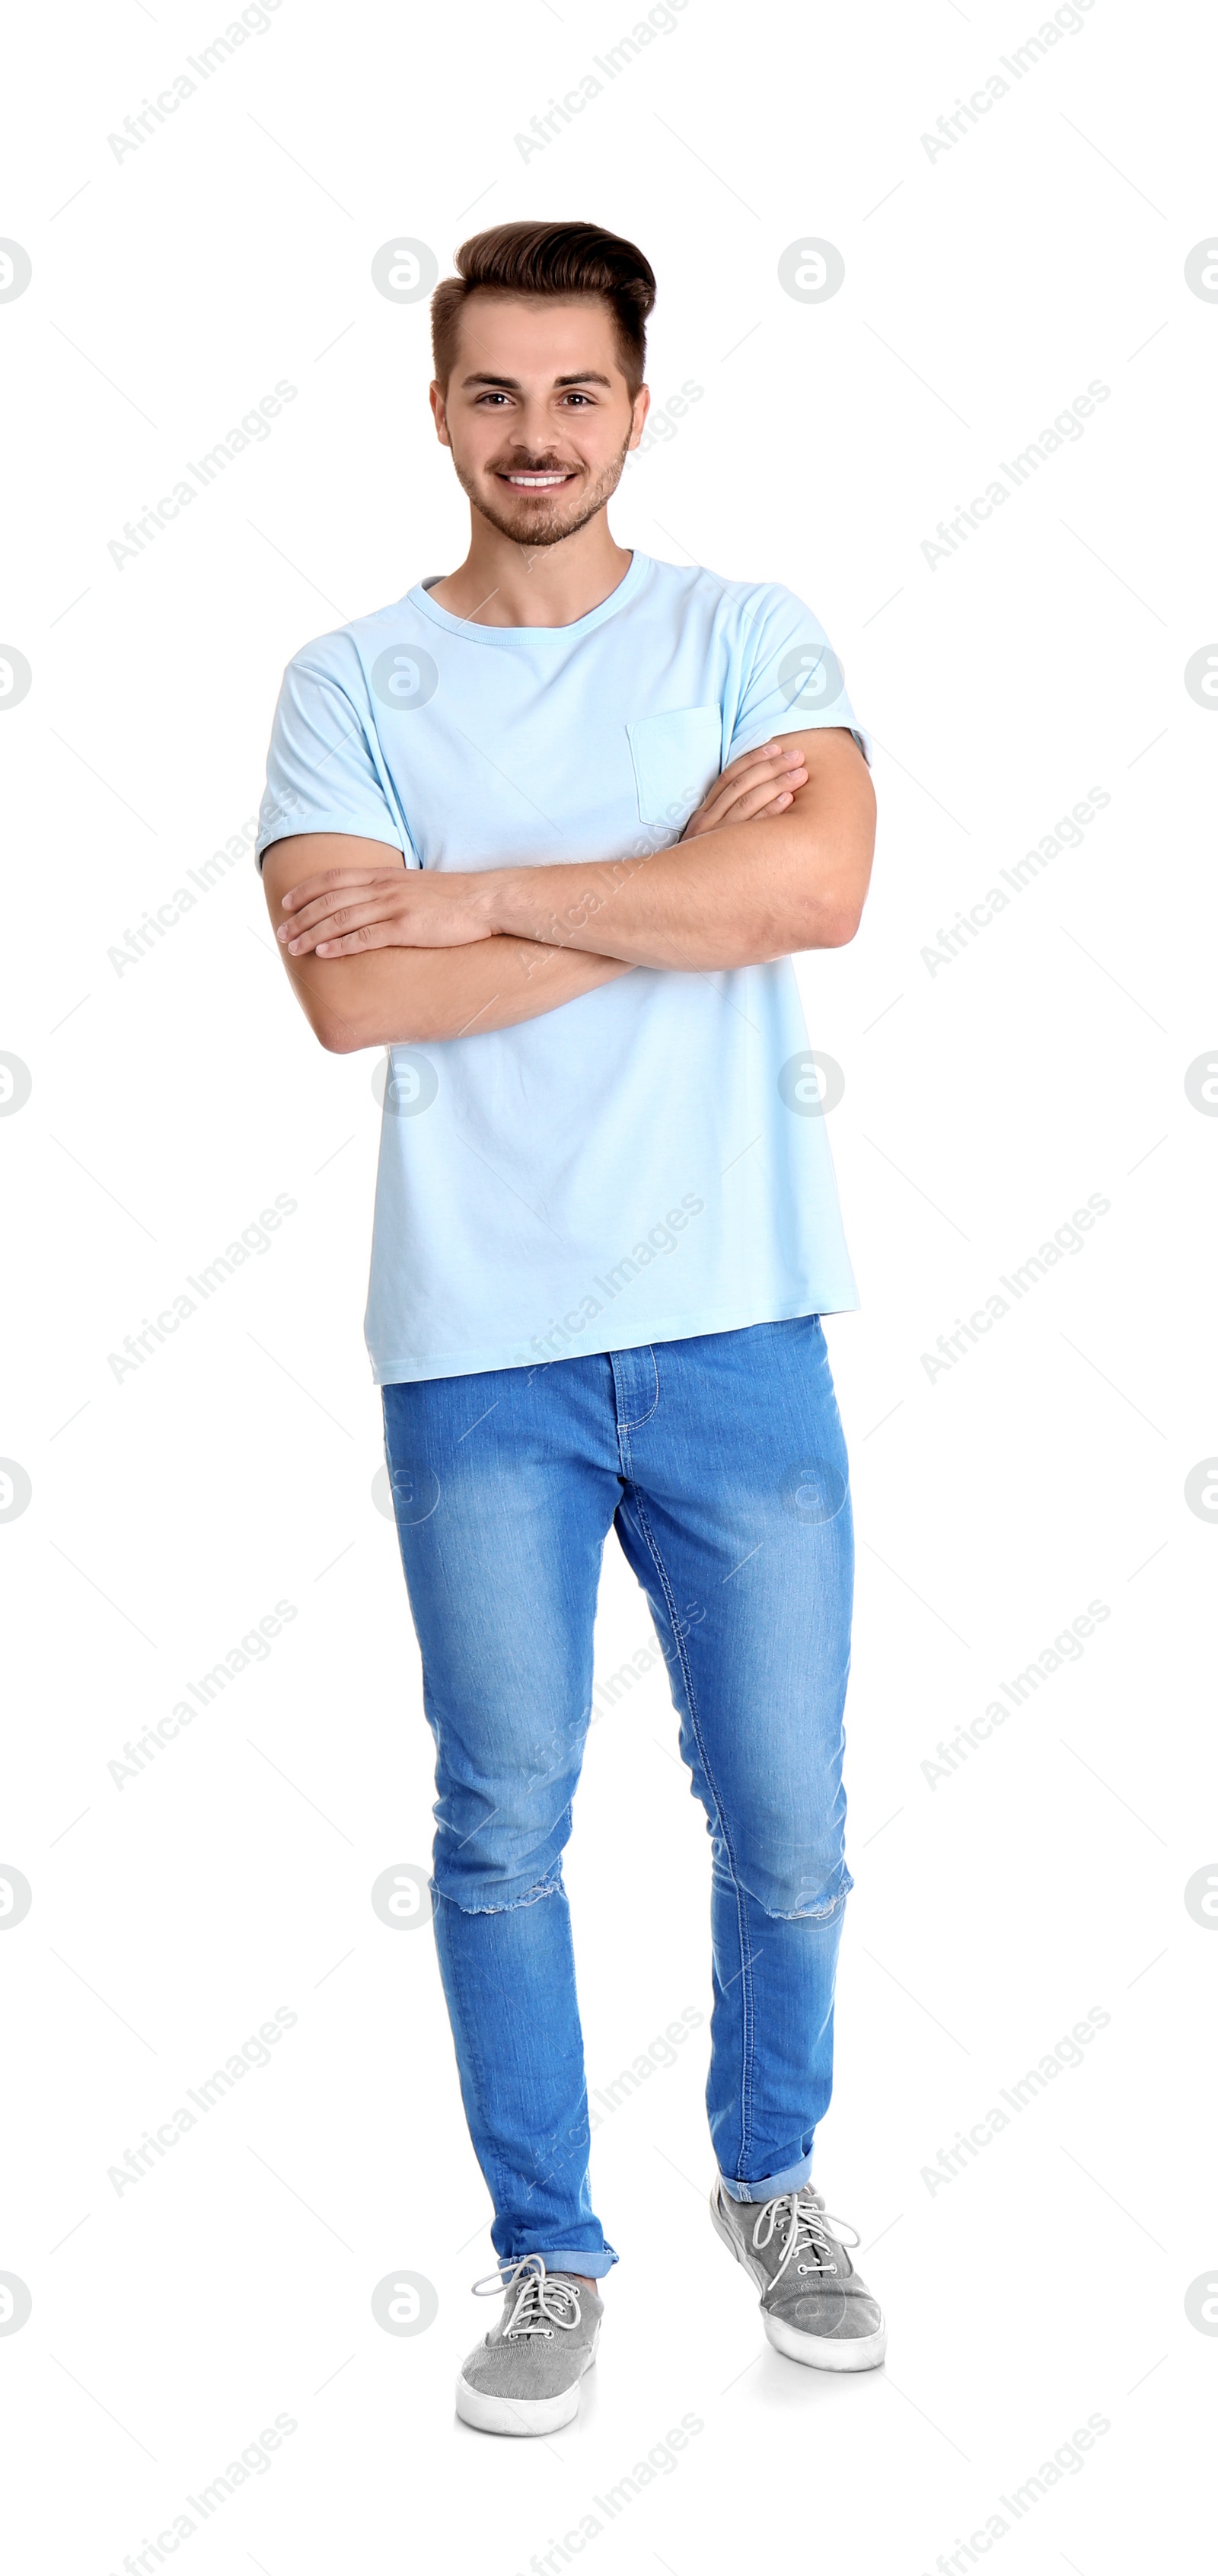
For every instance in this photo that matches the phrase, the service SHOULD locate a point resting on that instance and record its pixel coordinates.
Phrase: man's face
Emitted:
(538, 413)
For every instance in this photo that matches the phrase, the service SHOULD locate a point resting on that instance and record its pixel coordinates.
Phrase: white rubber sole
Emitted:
(521, 2415)
(862, 2352)
(816, 2352)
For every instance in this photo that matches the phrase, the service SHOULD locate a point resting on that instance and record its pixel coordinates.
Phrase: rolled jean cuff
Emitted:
(792, 2180)
(587, 2266)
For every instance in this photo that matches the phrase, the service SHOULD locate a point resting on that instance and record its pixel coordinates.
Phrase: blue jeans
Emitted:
(720, 1462)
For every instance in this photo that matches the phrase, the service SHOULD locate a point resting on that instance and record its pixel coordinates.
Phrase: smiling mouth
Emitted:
(547, 481)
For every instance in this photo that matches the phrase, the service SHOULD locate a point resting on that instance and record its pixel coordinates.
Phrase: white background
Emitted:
(171, 1915)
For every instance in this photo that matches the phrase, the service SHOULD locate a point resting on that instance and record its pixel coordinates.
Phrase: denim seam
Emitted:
(501, 2181)
(477, 2085)
(625, 1428)
(746, 1956)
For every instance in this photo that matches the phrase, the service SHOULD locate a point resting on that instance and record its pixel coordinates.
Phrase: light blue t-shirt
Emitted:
(648, 1161)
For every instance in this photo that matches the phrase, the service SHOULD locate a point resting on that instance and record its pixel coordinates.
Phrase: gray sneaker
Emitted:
(814, 2306)
(524, 2376)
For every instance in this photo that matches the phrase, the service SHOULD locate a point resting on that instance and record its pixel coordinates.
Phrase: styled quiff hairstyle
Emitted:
(560, 260)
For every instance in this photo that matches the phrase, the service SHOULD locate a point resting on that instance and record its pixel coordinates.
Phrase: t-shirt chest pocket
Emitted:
(675, 757)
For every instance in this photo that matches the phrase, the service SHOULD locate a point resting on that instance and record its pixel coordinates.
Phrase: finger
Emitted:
(755, 801)
(384, 891)
(769, 753)
(331, 881)
(773, 760)
(401, 933)
(777, 804)
(356, 943)
(334, 881)
(333, 925)
(753, 808)
(725, 800)
(746, 760)
(325, 907)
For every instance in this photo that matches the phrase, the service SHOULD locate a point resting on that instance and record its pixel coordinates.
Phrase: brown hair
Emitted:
(556, 260)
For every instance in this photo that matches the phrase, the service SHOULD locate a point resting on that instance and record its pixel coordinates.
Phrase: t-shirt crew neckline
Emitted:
(631, 580)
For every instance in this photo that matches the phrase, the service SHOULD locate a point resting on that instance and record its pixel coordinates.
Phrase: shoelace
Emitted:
(543, 2301)
(807, 2224)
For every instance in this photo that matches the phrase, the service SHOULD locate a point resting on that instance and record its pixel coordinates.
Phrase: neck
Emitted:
(502, 583)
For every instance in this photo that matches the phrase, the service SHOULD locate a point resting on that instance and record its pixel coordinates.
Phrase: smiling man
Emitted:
(550, 830)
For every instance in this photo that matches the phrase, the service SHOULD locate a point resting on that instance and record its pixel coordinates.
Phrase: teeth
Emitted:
(536, 482)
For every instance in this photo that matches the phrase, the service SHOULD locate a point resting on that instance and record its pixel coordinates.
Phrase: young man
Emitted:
(550, 830)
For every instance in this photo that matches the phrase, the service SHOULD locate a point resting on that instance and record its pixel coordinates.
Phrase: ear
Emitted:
(439, 413)
(638, 416)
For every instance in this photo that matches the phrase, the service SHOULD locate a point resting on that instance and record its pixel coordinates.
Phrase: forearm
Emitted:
(736, 896)
(415, 996)
(732, 899)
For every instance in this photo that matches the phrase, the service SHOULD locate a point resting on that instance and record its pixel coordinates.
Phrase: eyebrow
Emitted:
(512, 384)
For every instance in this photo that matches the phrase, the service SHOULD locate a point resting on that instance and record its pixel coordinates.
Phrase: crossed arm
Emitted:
(775, 860)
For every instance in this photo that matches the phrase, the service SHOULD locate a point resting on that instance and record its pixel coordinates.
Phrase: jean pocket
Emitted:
(675, 757)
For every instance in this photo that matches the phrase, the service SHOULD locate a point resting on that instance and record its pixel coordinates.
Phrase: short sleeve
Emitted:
(789, 677)
(324, 769)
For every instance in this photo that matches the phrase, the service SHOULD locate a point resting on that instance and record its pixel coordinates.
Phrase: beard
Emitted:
(543, 520)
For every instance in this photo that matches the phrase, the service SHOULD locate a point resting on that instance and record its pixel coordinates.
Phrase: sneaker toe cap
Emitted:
(835, 2319)
(508, 2371)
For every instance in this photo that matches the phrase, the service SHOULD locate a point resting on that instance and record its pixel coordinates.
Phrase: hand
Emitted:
(759, 782)
(345, 911)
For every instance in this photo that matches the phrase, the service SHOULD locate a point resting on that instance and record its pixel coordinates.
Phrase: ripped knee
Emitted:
(816, 1902)
(478, 1895)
